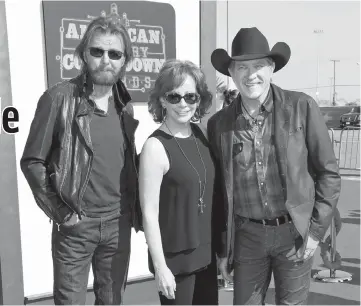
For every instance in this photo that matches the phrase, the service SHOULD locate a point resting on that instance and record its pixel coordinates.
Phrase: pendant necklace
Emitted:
(252, 122)
(201, 204)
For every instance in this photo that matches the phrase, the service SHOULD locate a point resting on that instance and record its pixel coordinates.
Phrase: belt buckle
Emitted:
(277, 221)
(263, 222)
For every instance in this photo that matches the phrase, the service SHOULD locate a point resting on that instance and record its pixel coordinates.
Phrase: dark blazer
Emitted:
(308, 168)
(58, 154)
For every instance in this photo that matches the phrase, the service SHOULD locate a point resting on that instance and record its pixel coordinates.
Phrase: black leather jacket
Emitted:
(57, 158)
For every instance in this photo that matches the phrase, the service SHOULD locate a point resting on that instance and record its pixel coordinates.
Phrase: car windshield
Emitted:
(355, 109)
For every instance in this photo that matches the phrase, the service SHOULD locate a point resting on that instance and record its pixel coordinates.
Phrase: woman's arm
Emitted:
(153, 165)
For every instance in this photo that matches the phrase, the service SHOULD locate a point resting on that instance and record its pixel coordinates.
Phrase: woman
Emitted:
(176, 183)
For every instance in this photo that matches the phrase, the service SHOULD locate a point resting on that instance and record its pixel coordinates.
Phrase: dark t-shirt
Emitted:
(103, 194)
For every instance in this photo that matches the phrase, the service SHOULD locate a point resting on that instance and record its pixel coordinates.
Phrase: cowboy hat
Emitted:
(249, 44)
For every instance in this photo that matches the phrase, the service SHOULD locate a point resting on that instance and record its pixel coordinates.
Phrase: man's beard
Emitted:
(106, 77)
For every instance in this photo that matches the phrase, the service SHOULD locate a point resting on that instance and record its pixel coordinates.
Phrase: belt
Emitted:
(274, 222)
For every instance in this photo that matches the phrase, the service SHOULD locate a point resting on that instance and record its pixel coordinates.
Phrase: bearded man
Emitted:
(80, 163)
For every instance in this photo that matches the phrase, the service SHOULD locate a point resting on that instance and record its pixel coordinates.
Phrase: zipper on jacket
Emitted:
(64, 176)
(82, 191)
(91, 157)
(47, 213)
(46, 210)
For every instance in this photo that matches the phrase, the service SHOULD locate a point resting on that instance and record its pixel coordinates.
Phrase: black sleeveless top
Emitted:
(186, 232)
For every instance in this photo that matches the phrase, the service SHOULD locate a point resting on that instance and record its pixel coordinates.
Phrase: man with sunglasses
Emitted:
(80, 162)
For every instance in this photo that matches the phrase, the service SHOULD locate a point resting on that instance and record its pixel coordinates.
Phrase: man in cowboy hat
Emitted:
(280, 176)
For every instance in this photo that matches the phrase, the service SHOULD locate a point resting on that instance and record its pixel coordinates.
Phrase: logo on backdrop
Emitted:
(151, 28)
(148, 48)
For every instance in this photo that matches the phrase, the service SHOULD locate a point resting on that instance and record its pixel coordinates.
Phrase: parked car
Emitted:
(332, 114)
(352, 118)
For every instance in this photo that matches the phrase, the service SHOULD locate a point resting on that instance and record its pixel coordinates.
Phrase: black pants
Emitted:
(198, 288)
(103, 243)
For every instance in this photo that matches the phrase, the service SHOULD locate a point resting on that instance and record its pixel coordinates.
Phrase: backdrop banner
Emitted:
(151, 27)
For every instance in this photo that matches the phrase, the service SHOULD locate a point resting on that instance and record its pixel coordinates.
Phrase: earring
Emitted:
(196, 115)
(198, 112)
(164, 113)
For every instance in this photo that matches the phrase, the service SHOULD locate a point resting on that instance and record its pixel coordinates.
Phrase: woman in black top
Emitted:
(176, 181)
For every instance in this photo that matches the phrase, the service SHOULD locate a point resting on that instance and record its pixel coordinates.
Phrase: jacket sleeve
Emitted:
(35, 158)
(325, 169)
(218, 213)
(137, 219)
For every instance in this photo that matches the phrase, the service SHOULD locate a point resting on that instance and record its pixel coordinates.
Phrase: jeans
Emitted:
(261, 250)
(102, 242)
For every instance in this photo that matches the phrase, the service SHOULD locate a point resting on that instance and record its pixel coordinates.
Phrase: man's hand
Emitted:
(222, 266)
(312, 244)
(71, 221)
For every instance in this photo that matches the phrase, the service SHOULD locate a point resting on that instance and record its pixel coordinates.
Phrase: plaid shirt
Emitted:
(258, 192)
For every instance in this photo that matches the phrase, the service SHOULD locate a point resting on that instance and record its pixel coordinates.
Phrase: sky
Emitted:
(294, 22)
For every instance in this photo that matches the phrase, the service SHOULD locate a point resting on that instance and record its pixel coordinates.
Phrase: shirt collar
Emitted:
(268, 102)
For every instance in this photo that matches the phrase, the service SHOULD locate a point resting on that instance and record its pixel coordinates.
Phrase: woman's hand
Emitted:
(222, 266)
(165, 282)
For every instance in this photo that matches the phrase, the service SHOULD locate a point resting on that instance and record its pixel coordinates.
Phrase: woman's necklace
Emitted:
(201, 204)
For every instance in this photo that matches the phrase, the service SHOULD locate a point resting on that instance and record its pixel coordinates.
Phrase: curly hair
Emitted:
(172, 75)
(111, 24)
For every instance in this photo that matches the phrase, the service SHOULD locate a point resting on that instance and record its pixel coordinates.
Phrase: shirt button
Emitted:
(262, 184)
(265, 203)
(258, 142)
(260, 163)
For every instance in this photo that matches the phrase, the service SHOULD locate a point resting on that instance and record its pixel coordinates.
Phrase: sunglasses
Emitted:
(174, 98)
(112, 54)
